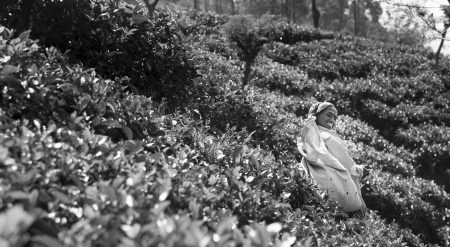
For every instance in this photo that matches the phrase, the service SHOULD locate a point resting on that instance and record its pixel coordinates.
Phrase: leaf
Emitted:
(138, 19)
(17, 195)
(108, 191)
(24, 35)
(10, 69)
(111, 123)
(263, 238)
(3, 154)
(33, 197)
(132, 2)
(194, 207)
(163, 189)
(5, 59)
(160, 207)
(89, 212)
(46, 240)
(14, 220)
(236, 155)
(226, 224)
(62, 114)
(84, 102)
(128, 132)
(274, 227)
(111, 107)
(219, 155)
(33, 69)
(61, 196)
(131, 231)
(11, 83)
(308, 242)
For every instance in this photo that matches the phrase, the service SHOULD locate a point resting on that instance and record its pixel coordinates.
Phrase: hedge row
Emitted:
(358, 58)
(116, 38)
(392, 105)
(100, 166)
(284, 109)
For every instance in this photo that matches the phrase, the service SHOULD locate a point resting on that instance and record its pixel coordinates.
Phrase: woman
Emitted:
(327, 161)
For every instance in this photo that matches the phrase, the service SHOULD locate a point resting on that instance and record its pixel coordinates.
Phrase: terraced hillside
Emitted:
(173, 150)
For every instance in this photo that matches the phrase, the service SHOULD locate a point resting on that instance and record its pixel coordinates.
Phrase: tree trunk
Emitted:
(315, 13)
(286, 8)
(233, 7)
(196, 7)
(438, 52)
(292, 11)
(343, 4)
(219, 6)
(356, 16)
(206, 5)
(273, 7)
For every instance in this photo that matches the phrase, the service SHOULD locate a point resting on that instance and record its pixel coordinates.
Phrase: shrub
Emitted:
(192, 23)
(339, 58)
(430, 143)
(401, 199)
(116, 39)
(249, 35)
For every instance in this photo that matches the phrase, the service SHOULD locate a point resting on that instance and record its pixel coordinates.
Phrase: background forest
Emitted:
(126, 124)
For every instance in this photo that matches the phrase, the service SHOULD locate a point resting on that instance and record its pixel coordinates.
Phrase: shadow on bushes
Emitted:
(116, 40)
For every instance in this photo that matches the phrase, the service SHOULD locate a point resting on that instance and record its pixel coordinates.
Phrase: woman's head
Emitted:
(325, 114)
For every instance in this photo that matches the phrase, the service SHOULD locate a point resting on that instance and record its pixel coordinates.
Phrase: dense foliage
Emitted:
(87, 161)
(114, 37)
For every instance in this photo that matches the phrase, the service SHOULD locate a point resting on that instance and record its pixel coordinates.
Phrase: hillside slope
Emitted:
(394, 103)
(94, 161)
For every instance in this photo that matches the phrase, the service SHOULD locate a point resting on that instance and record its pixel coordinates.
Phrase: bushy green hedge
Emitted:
(76, 171)
(340, 58)
(116, 38)
(284, 94)
(87, 162)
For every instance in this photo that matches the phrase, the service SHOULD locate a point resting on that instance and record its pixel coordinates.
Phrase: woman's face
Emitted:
(327, 117)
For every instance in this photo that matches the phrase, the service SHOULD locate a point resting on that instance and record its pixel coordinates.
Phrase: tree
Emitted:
(446, 10)
(432, 23)
(315, 13)
(437, 26)
(196, 5)
(249, 35)
(233, 7)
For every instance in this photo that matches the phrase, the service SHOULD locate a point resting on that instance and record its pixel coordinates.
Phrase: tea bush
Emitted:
(278, 110)
(88, 162)
(339, 58)
(180, 182)
(431, 146)
(117, 39)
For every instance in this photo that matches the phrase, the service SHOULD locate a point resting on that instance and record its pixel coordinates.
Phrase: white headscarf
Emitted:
(318, 107)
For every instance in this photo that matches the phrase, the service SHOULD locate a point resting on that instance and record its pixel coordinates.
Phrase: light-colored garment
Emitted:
(326, 158)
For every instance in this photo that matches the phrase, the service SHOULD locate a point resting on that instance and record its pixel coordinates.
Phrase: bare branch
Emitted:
(416, 6)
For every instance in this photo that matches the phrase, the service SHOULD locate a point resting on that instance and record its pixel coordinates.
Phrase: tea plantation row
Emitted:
(93, 161)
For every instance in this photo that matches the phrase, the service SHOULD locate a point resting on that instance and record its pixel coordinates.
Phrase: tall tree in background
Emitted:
(433, 22)
(233, 7)
(446, 10)
(218, 4)
(196, 5)
(333, 16)
(343, 9)
(315, 13)
(356, 19)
